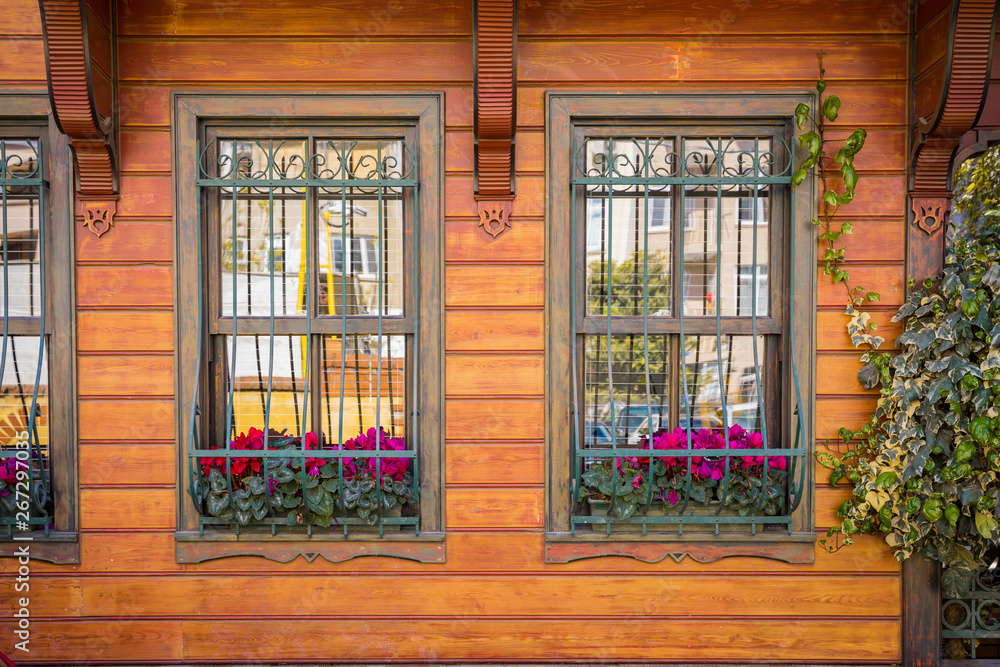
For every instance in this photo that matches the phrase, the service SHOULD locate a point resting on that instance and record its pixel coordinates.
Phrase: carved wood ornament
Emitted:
(937, 138)
(496, 38)
(82, 99)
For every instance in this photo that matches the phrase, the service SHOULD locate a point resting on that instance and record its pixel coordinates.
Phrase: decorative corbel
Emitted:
(937, 138)
(495, 94)
(81, 93)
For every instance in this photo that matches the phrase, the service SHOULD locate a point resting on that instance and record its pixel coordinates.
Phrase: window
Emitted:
(748, 279)
(37, 434)
(660, 332)
(320, 330)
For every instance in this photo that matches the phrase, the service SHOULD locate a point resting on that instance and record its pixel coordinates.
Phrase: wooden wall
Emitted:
(495, 598)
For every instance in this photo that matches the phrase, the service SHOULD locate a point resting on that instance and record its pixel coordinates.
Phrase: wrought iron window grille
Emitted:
(664, 345)
(278, 216)
(26, 500)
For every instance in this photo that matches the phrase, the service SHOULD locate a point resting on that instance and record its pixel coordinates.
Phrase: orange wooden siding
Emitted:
(495, 598)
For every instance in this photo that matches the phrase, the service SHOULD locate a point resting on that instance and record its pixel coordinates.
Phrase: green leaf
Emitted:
(216, 480)
(821, 86)
(255, 485)
(830, 197)
(243, 517)
(840, 275)
(831, 107)
(811, 141)
(799, 176)
(986, 525)
(868, 376)
(283, 474)
(216, 503)
(801, 114)
(850, 177)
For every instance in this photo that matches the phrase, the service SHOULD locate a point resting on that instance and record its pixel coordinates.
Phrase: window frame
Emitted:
(566, 112)
(23, 116)
(422, 115)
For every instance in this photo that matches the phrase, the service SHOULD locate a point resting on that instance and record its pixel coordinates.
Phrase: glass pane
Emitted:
(21, 223)
(253, 366)
(713, 279)
(366, 218)
(628, 232)
(262, 228)
(702, 356)
(628, 418)
(352, 364)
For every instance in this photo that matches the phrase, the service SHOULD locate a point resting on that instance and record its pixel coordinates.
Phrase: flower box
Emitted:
(306, 488)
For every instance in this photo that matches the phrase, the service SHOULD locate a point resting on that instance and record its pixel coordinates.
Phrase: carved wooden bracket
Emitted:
(496, 39)
(936, 139)
(81, 92)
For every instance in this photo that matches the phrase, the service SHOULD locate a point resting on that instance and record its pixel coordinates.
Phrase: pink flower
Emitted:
(673, 497)
(777, 462)
(637, 481)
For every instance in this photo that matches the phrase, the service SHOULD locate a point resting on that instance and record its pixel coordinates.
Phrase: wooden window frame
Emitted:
(565, 112)
(422, 114)
(30, 113)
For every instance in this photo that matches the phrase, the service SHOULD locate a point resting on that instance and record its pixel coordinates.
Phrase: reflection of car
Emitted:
(629, 418)
(697, 423)
(596, 434)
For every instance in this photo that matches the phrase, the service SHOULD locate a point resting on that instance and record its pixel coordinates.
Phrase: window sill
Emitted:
(57, 548)
(799, 547)
(195, 547)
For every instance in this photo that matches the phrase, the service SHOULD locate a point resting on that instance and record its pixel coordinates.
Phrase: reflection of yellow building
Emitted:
(357, 243)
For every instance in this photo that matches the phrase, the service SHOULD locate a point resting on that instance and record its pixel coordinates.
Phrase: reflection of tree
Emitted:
(623, 296)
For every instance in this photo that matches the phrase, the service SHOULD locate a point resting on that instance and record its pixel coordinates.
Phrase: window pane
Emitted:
(21, 222)
(368, 389)
(628, 230)
(369, 217)
(729, 210)
(253, 367)
(261, 228)
(702, 356)
(629, 415)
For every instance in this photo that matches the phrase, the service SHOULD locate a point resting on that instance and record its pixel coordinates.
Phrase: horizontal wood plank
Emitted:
(143, 106)
(317, 62)
(475, 330)
(356, 19)
(494, 285)
(494, 508)
(459, 152)
(422, 595)
(871, 241)
(467, 552)
(145, 151)
(463, 639)
(124, 286)
(132, 375)
(506, 419)
(104, 420)
(530, 200)
(839, 373)
(497, 375)
(863, 104)
(127, 464)
(145, 197)
(134, 242)
(832, 414)
(831, 329)
(494, 464)
(529, 152)
(127, 508)
(123, 640)
(22, 61)
(712, 20)
(20, 17)
(523, 240)
(705, 60)
(123, 331)
(889, 281)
